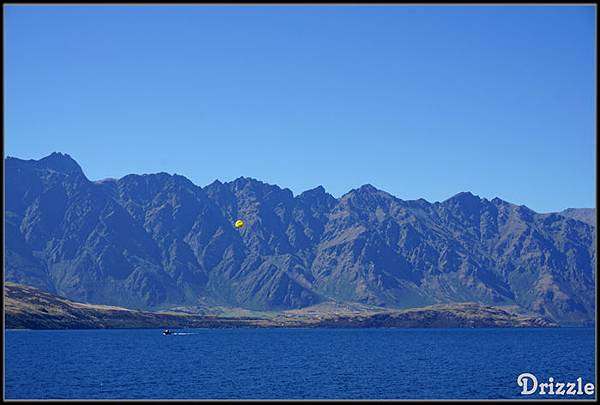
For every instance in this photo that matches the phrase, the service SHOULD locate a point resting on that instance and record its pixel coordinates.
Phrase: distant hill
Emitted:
(158, 241)
(29, 308)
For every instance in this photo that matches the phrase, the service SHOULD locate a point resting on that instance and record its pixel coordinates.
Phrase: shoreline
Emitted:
(301, 327)
(26, 307)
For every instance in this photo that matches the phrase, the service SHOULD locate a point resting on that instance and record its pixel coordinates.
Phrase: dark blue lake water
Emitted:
(291, 363)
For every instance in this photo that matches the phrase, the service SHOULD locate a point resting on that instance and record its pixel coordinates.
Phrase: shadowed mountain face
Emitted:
(155, 241)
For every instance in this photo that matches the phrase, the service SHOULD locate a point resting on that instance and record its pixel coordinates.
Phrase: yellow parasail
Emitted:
(239, 223)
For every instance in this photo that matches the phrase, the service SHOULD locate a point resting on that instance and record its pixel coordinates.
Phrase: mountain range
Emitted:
(157, 241)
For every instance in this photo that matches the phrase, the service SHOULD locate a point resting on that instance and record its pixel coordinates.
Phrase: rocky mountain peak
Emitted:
(60, 162)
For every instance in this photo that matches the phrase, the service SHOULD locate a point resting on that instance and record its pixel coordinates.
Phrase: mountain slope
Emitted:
(158, 241)
(587, 215)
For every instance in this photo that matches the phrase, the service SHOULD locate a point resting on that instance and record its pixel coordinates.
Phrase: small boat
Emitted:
(167, 332)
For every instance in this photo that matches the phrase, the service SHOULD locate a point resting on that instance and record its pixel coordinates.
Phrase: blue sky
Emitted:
(422, 102)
